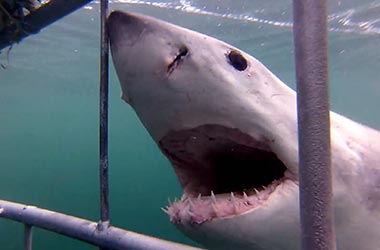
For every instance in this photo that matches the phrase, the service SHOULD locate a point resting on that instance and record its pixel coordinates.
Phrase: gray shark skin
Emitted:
(228, 126)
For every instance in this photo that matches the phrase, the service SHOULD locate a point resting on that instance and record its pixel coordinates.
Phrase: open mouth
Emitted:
(223, 172)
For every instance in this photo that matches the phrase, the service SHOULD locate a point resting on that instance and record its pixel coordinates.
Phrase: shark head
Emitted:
(226, 124)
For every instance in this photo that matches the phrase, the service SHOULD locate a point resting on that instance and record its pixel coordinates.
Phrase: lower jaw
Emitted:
(200, 209)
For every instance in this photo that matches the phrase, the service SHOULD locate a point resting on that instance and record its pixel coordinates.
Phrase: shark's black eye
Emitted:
(237, 60)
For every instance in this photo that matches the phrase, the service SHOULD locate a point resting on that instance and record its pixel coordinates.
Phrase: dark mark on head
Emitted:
(182, 52)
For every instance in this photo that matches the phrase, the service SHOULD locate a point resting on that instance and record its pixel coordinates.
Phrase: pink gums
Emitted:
(202, 209)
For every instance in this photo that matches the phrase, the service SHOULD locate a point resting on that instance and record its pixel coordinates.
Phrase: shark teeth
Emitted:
(213, 198)
(198, 209)
(234, 203)
(199, 197)
(191, 204)
(246, 199)
(165, 210)
(214, 209)
(190, 213)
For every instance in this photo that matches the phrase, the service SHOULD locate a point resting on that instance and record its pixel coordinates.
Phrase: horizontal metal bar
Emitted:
(85, 230)
(40, 18)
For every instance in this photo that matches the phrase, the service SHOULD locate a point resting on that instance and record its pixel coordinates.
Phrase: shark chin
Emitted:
(229, 128)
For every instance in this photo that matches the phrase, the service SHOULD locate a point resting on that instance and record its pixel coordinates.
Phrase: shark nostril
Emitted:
(183, 51)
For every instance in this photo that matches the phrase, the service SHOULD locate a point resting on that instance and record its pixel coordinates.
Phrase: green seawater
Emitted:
(49, 95)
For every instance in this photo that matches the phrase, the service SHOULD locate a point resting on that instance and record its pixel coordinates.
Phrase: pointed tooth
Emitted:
(233, 197)
(183, 197)
(257, 194)
(165, 211)
(246, 199)
(175, 199)
(233, 200)
(213, 198)
(199, 197)
(190, 202)
(214, 209)
(190, 213)
(170, 202)
(245, 196)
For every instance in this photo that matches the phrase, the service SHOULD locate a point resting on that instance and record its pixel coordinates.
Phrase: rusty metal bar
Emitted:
(310, 38)
(40, 18)
(28, 237)
(85, 230)
(103, 130)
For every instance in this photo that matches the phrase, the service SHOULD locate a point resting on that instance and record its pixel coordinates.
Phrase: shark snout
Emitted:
(126, 28)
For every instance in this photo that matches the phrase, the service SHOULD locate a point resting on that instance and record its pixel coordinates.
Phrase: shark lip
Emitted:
(223, 172)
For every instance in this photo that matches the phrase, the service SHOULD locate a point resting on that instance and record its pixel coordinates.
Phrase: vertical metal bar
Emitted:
(28, 237)
(104, 44)
(310, 38)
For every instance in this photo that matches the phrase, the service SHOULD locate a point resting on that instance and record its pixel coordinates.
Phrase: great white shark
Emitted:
(228, 126)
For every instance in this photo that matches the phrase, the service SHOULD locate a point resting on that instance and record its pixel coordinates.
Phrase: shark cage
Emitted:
(310, 39)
